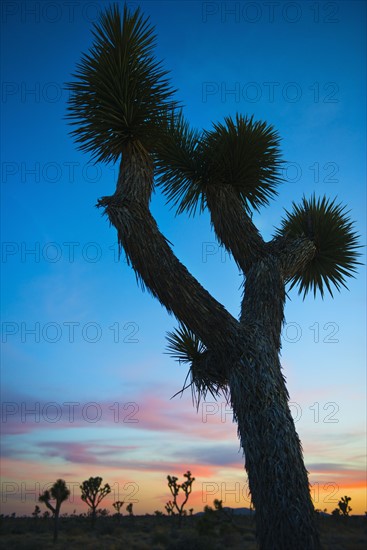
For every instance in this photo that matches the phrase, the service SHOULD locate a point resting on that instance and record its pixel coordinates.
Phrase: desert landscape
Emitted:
(210, 530)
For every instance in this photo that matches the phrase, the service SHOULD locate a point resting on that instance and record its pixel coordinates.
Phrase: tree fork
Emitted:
(234, 227)
(153, 260)
(258, 394)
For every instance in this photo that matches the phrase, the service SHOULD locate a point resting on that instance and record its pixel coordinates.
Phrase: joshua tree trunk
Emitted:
(94, 517)
(56, 525)
(278, 481)
(246, 352)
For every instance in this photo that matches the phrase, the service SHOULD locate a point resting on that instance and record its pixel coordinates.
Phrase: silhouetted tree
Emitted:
(170, 508)
(122, 108)
(175, 488)
(58, 492)
(218, 505)
(36, 512)
(129, 509)
(93, 494)
(344, 505)
(117, 506)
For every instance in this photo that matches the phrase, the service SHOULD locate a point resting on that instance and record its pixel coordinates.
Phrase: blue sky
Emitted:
(98, 341)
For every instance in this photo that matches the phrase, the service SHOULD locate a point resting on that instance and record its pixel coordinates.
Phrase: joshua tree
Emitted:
(129, 509)
(117, 506)
(36, 512)
(123, 110)
(218, 505)
(60, 493)
(170, 508)
(175, 488)
(344, 505)
(93, 494)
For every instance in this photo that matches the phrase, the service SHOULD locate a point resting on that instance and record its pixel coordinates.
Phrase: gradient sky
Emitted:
(82, 345)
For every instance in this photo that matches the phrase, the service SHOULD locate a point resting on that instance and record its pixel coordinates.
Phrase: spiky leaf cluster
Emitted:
(240, 153)
(121, 92)
(177, 164)
(185, 347)
(329, 227)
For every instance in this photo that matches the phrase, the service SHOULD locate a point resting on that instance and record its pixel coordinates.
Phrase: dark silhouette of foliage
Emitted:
(117, 506)
(186, 487)
(129, 509)
(331, 229)
(344, 505)
(218, 505)
(58, 492)
(36, 512)
(93, 494)
(130, 109)
(170, 508)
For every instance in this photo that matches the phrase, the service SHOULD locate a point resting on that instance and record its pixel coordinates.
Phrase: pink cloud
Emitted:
(83, 453)
(213, 421)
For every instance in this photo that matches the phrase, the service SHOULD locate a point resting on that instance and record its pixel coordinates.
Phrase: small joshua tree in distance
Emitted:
(175, 488)
(117, 506)
(170, 508)
(93, 494)
(36, 512)
(344, 505)
(60, 493)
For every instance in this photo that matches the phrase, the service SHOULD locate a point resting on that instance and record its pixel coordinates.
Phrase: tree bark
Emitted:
(234, 227)
(153, 260)
(243, 354)
(278, 481)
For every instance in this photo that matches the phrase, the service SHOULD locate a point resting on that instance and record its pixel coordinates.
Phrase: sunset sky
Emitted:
(86, 384)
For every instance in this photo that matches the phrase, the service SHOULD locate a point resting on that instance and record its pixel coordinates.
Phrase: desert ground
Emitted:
(205, 532)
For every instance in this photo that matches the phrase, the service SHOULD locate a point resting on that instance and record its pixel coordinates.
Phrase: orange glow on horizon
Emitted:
(148, 489)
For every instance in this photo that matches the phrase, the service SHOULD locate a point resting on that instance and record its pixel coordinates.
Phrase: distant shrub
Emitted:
(192, 541)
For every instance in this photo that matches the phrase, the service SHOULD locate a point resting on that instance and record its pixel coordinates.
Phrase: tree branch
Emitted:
(153, 260)
(233, 226)
(293, 254)
(262, 305)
